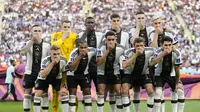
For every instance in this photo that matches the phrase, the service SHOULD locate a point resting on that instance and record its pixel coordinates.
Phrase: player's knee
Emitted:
(125, 90)
(180, 86)
(180, 93)
(38, 93)
(27, 91)
(158, 92)
(150, 92)
(86, 91)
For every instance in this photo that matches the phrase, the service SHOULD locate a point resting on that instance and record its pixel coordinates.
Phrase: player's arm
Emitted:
(74, 64)
(26, 48)
(177, 71)
(158, 58)
(128, 62)
(154, 38)
(135, 33)
(101, 58)
(45, 72)
(178, 62)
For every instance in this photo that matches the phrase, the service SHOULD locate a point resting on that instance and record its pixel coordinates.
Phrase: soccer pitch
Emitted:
(190, 106)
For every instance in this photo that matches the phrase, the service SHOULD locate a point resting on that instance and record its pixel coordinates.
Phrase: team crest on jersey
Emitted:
(178, 60)
(66, 67)
(36, 85)
(43, 66)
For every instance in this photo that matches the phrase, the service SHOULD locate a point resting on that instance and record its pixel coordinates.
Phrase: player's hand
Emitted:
(125, 64)
(64, 91)
(65, 34)
(82, 54)
(159, 30)
(55, 61)
(140, 26)
(167, 51)
(139, 51)
(117, 28)
(110, 47)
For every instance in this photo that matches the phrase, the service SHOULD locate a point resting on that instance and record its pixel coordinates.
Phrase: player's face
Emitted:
(55, 54)
(66, 26)
(115, 22)
(139, 45)
(158, 23)
(140, 18)
(83, 47)
(90, 24)
(36, 32)
(111, 40)
(167, 45)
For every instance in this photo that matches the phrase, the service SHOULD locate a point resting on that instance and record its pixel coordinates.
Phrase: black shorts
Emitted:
(74, 81)
(161, 80)
(137, 81)
(44, 84)
(29, 81)
(108, 80)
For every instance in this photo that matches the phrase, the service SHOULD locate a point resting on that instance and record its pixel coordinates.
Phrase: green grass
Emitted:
(190, 106)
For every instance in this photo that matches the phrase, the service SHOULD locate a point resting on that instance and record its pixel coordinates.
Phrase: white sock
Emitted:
(136, 101)
(119, 103)
(174, 99)
(112, 101)
(150, 103)
(181, 100)
(27, 102)
(88, 103)
(37, 103)
(162, 109)
(45, 103)
(157, 97)
(126, 103)
(72, 103)
(100, 103)
(65, 105)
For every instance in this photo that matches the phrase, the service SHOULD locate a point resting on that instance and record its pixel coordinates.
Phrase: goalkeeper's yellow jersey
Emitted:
(67, 45)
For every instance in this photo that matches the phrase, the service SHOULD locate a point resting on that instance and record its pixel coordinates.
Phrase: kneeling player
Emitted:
(168, 71)
(108, 70)
(137, 74)
(53, 67)
(78, 75)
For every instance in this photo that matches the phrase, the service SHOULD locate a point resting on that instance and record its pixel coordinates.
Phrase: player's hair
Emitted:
(167, 38)
(54, 47)
(12, 61)
(80, 41)
(66, 21)
(88, 18)
(140, 12)
(138, 40)
(110, 33)
(35, 25)
(114, 16)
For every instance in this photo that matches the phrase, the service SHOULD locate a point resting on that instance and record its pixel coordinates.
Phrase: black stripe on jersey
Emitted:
(74, 53)
(151, 33)
(176, 52)
(118, 45)
(47, 59)
(90, 49)
(63, 58)
(149, 49)
(129, 51)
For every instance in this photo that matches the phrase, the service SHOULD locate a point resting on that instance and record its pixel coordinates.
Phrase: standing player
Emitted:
(35, 50)
(53, 71)
(93, 39)
(168, 71)
(156, 38)
(137, 73)
(78, 65)
(109, 70)
(66, 41)
(143, 31)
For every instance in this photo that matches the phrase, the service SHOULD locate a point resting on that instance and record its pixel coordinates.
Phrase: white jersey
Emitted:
(143, 33)
(29, 62)
(74, 54)
(63, 67)
(124, 40)
(175, 60)
(166, 33)
(143, 61)
(119, 51)
(99, 36)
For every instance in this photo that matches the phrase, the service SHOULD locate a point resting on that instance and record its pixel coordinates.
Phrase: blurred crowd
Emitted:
(21, 14)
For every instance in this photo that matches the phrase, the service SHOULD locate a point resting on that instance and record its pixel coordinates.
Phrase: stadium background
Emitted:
(16, 17)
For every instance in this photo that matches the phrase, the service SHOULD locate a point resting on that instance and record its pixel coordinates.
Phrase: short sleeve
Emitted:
(178, 59)
(99, 52)
(44, 64)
